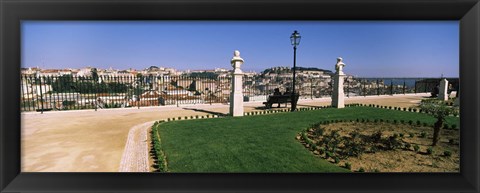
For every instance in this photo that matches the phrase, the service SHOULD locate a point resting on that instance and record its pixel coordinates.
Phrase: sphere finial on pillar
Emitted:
(338, 78)
(339, 66)
(236, 62)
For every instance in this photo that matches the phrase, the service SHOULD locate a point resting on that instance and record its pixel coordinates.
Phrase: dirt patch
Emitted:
(383, 147)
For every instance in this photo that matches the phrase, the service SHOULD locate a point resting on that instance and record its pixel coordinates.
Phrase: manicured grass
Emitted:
(263, 143)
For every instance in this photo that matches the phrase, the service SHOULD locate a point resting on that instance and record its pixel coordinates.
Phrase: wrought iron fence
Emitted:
(45, 93)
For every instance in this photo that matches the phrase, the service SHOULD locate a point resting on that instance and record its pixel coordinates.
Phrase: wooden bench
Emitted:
(272, 99)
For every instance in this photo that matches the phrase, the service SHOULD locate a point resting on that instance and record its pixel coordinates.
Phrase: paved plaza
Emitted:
(94, 141)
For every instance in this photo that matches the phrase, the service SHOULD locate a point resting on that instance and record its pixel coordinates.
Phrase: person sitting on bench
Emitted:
(276, 92)
(287, 92)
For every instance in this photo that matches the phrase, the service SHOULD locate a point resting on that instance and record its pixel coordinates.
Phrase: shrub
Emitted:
(395, 121)
(410, 122)
(375, 120)
(404, 108)
(402, 121)
(354, 134)
(316, 125)
(376, 137)
(402, 135)
(321, 150)
(337, 160)
(392, 143)
(328, 154)
(418, 123)
(423, 134)
(334, 134)
(407, 146)
(425, 124)
(355, 149)
(361, 169)
(429, 150)
(304, 136)
(376, 170)
(416, 148)
(454, 126)
(447, 153)
(348, 165)
(411, 134)
(319, 131)
(451, 141)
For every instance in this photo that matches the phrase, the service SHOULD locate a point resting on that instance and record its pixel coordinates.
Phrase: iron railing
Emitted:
(67, 92)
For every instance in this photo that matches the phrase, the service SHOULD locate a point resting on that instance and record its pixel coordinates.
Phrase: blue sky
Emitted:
(369, 48)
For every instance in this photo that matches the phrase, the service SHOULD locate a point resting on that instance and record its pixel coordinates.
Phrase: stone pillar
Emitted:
(236, 95)
(443, 91)
(338, 97)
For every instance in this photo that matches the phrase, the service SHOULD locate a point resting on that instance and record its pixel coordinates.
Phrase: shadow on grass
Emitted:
(299, 105)
(275, 106)
(205, 111)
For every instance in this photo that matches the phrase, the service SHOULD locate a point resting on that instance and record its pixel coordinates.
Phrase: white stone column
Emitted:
(338, 97)
(443, 91)
(236, 95)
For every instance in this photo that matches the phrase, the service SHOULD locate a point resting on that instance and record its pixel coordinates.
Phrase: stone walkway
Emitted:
(135, 155)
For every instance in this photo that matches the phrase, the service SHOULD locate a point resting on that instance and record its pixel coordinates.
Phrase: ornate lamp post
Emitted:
(295, 40)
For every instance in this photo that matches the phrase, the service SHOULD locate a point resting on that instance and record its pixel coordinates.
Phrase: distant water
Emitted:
(396, 81)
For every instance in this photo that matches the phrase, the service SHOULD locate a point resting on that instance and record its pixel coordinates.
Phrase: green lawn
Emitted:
(261, 143)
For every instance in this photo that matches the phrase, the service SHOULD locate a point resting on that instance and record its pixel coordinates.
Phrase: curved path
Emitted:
(135, 155)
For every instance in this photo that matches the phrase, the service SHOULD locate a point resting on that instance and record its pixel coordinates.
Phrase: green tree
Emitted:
(94, 74)
(63, 83)
(439, 110)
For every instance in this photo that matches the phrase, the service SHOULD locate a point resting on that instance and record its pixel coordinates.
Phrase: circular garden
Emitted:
(378, 145)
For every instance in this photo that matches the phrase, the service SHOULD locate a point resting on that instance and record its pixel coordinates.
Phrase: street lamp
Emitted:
(295, 40)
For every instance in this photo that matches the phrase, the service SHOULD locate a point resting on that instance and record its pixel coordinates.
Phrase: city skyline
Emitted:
(375, 49)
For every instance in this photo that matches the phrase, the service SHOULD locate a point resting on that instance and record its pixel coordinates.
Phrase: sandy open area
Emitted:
(94, 141)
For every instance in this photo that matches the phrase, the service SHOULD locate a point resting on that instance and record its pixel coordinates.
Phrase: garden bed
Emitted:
(380, 146)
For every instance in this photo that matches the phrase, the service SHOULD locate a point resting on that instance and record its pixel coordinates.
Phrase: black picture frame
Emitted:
(12, 12)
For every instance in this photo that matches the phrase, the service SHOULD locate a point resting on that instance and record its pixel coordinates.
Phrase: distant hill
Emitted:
(282, 70)
(313, 69)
